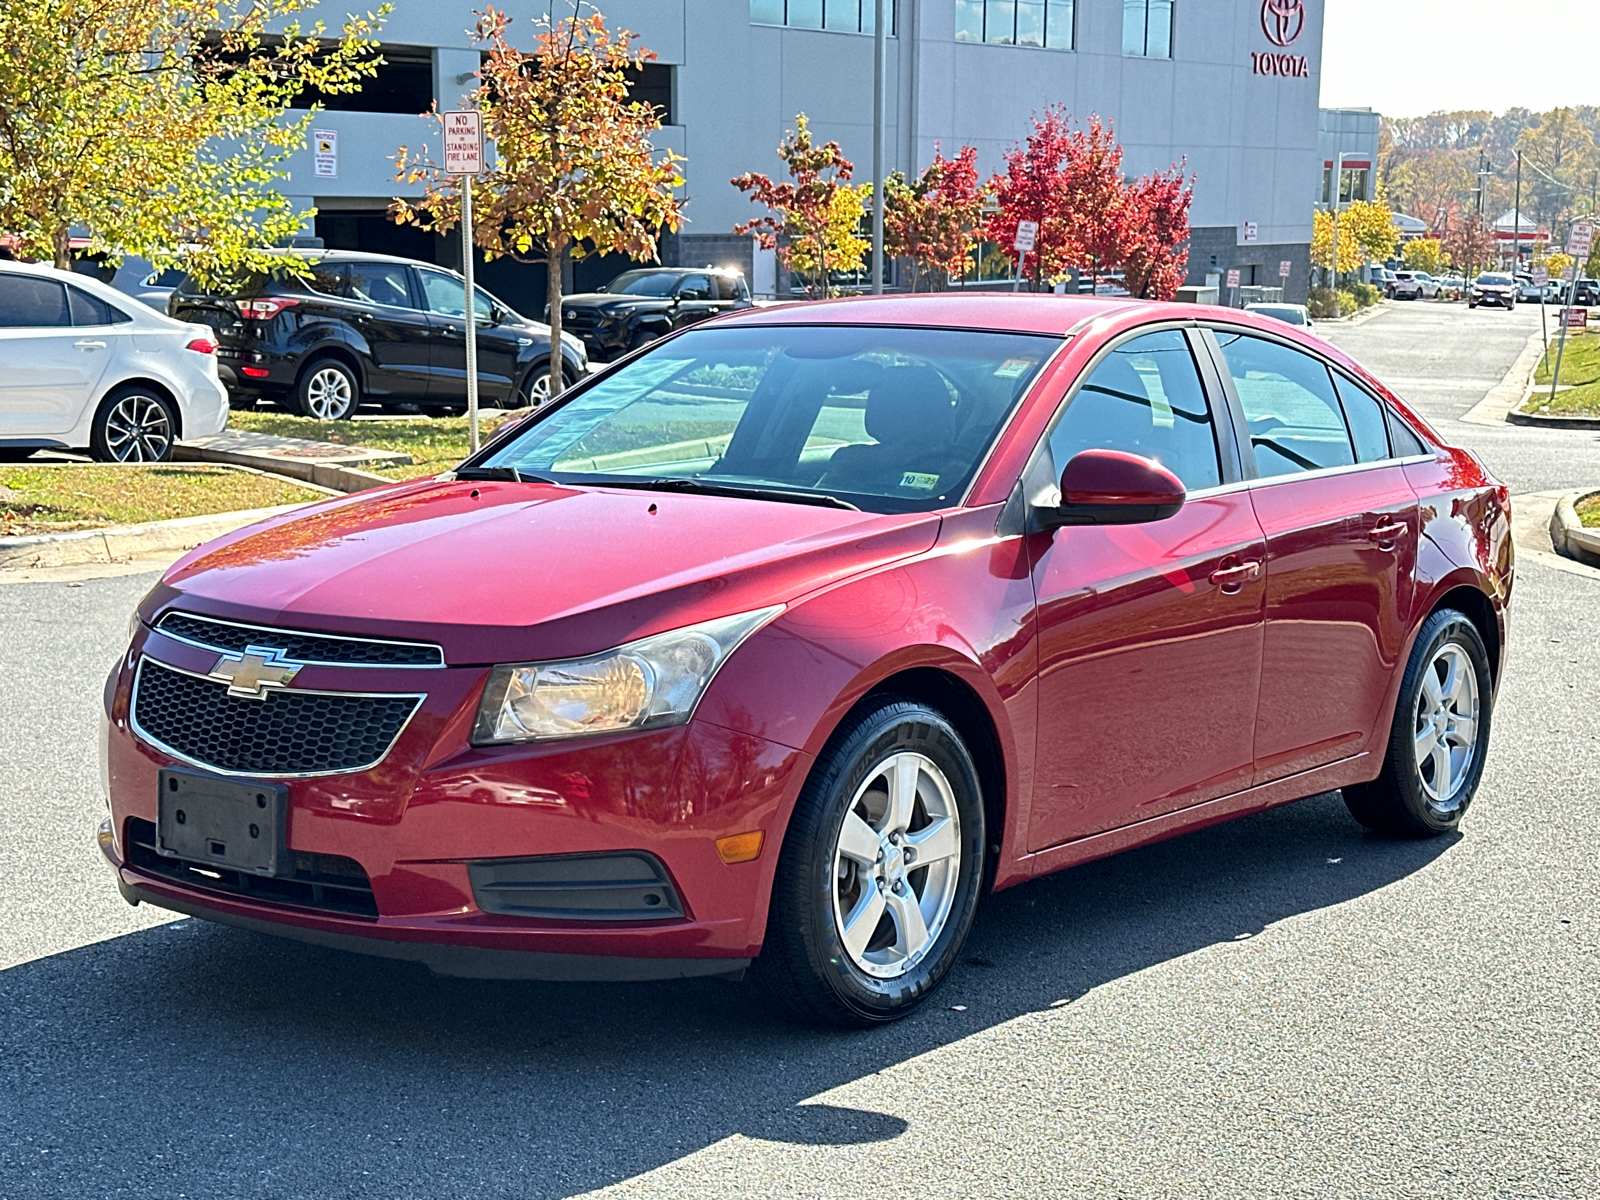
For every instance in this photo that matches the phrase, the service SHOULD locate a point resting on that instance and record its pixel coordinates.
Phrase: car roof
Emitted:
(682, 270)
(1014, 312)
(124, 303)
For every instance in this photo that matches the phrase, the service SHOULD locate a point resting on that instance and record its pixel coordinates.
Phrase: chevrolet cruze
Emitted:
(780, 644)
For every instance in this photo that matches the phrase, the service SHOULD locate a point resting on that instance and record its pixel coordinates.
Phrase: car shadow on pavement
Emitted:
(204, 1060)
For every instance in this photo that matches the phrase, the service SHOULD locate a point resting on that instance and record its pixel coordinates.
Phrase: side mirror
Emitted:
(1113, 487)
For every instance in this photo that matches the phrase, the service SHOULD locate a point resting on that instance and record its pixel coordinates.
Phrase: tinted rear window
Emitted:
(91, 310)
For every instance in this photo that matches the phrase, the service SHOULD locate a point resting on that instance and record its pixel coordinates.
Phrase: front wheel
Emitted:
(1439, 738)
(880, 872)
(535, 391)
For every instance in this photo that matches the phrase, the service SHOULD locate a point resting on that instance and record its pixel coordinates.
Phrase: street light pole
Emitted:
(1516, 223)
(1338, 191)
(880, 73)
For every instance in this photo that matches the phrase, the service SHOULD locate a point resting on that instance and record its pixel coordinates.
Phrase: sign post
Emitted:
(1580, 241)
(463, 156)
(1233, 286)
(1027, 234)
(1541, 277)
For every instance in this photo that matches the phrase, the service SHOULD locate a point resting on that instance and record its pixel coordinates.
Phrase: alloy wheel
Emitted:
(329, 395)
(538, 388)
(1445, 729)
(896, 865)
(138, 429)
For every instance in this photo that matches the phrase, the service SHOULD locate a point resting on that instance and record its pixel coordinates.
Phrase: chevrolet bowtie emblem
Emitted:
(250, 674)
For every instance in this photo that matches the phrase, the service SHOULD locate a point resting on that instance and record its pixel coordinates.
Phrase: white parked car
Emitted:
(83, 366)
(1289, 314)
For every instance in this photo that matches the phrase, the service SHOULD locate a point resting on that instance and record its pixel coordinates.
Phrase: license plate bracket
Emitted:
(230, 824)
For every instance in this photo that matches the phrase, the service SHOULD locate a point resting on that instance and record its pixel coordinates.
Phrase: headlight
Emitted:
(644, 685)
(133, 627)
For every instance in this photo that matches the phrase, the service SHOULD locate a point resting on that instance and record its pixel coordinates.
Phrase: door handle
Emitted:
(1386, 532)
(1231, 579)
(88, 344)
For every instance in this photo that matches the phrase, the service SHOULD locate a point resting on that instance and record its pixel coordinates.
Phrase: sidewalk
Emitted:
(322, 463)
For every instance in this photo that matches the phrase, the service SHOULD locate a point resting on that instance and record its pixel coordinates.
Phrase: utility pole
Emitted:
(1516, 223)
(880, 73)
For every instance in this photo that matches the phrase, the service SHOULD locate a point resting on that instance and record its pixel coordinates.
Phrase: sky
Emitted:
(1405, 58)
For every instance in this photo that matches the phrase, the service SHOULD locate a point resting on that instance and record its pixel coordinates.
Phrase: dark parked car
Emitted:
(637, 307)
(1585, 291)
(370, 326)
(934, 595)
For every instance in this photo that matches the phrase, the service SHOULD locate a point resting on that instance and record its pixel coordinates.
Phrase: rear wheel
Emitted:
(880, 872)
(1437, 743)
(535, 390)
(134, 425)
(328, 390)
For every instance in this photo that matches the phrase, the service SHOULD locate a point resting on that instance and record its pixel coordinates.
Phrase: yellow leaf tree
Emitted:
(161, 128)
(1322, 243)
(575, 170)
(1424, 254)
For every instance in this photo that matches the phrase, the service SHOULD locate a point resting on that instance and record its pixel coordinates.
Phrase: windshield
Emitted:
(642, 283)
(886, 419)
(1497, 280)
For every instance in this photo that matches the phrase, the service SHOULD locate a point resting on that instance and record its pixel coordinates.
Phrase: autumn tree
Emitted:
(1561, 151)
(1322, 239)
(808, 221)
(1156, 228)
(1470, 244)
(1423, 254)
(162, 128)
(934, 221)
(575, 171)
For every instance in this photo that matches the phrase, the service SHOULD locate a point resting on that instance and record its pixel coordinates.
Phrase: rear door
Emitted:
(446, 298)
(48, 368)
(1149, 635)
(1340, 521)
(385, 312)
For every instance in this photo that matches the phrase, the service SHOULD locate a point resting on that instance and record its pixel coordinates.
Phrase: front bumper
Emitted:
(435, 807)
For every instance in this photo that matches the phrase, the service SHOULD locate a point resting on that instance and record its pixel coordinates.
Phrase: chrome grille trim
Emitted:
(428, 651)
(145, 736)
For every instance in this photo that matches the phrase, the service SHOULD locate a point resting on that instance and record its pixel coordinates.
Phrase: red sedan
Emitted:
(781, 643)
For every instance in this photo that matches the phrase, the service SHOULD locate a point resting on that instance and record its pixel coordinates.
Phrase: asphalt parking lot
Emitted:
(1281, 1006)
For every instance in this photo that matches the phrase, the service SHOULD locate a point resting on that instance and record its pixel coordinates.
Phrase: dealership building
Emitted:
(1227, 87)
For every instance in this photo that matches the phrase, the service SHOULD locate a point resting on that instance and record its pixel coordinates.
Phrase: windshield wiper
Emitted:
(498, 475)
(752, 491)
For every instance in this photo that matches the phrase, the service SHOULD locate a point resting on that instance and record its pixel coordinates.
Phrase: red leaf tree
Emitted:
(1156, 257)
(1033, 188)
(934, 222)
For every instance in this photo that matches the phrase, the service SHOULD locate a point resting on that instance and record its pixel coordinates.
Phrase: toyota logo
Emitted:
(1282, 20)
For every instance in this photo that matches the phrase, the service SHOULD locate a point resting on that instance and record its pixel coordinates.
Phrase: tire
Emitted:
(535, 389)
(1472, 304)
(134, 424)
(1409, 798)
(642, 338)
(328, 390)
(817, 973)
(239, 403)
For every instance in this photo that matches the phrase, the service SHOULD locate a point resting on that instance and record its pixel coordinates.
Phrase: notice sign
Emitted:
(1233, 278)
(1580, 239)
(1283, 269)
(325, 153)
(1576, 318)
(463, 142)
(1027, 234)
(1541, 276)
(1251, 231)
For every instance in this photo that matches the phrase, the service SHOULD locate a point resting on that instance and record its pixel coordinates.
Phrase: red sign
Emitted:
(1282, 20)
(1576, 318)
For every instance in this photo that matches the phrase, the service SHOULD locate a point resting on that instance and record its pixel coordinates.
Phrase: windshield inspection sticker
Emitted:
(920, 481)
(1012, 368)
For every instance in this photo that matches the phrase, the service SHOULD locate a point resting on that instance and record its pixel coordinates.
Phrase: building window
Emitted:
(1147, 28)
(841, 16)
(1352, 185)
(1045, 23)
(651, 83)
(403, 84)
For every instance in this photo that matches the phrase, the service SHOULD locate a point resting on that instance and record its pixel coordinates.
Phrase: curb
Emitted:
(324, 475)
(1550, 421)
(1568, 534)
(1500, 403)
(115, 542)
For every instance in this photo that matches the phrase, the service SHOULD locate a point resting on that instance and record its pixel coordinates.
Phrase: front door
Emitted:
(1341, 526)
(446, 298)
(1149, 635)
(694, 301)
(389, 318)
(48, 368)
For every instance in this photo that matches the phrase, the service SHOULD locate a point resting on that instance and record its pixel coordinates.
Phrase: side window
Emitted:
(326, 279)
(1406, 443)
(1294, 418)
(380, 283)
(1364, 412)
(695, 287)
(730, 287)
(28, 303)
(1145, 397)
(447, 295)
(90, 310)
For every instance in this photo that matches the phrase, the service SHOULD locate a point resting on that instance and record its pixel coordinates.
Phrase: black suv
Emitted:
(637, 307)
(375, 327)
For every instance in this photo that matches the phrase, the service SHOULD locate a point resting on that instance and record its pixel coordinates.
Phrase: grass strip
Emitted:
(1580, 377)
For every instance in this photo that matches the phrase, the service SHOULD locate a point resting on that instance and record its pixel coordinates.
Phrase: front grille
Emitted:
(579, 320)
(317, 649)
(321, 881)
(291, 732)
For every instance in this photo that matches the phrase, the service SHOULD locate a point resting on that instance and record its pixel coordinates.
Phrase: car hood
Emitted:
(507, 572)
(608, 300)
